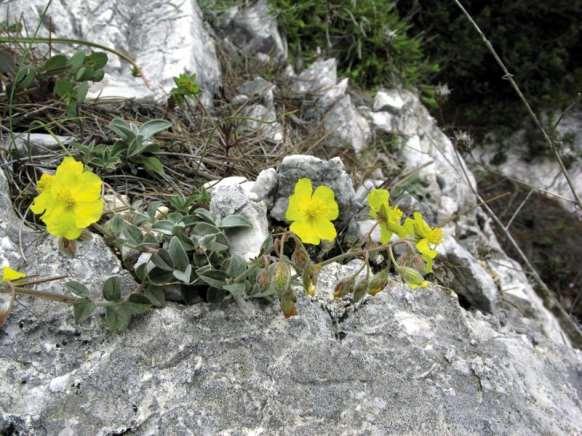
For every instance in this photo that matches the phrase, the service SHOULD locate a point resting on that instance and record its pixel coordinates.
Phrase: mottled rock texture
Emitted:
(401, 362)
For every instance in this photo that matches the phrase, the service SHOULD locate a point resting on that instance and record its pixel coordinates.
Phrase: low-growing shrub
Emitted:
(371, 42)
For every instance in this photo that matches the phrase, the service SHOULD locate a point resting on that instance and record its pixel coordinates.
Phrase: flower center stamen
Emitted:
(66, 198)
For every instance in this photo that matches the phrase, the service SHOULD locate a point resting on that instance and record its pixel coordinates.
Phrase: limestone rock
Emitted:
(392, 100)
(470, 278)
(165, 39)
(228, 198)
(404, 362)
(346, 126)
(254, 30)
(262, 122)
(320, 77)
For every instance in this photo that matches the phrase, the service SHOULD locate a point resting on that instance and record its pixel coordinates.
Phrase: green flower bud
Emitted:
(300, 259)
(310, 279)
(263, 279)
(378, 282)
(288, 307)
(412, 277)
(360, 290)
(344, 287)
(282, 277)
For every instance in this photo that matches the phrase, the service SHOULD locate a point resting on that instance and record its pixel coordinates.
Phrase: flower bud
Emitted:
(263, 279)
(310, 279)
(344, 287)
(300, 258)
(282, 277)
(360, 290)
(288, 304)
(412, 277)
(379, 282)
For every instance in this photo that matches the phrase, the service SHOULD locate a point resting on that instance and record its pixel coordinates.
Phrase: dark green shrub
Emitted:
(368, 38)
(540, 41)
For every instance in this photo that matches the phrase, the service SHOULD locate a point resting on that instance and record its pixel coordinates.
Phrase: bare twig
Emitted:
(535, 118)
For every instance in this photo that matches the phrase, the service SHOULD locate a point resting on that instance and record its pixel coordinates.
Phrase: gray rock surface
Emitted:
(321, 172)
(165, 38)
(317, 79)
(543, 173)
(470, 278)
(402, 362)
(253, 30)
(235, 196)
(261, 122)
(326, 100)
(346, 126)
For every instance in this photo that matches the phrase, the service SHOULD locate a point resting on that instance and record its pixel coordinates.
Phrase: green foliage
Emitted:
(187, 249)
(186, 86)
(134, 148)
(69, 77)
(541, 43)
(368, 38)
(118, 310)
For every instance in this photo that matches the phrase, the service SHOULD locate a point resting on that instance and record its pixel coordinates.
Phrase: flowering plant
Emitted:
(311, 213)
(70, 200)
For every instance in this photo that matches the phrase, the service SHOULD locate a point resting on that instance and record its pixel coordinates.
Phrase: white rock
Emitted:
(165, 39)
(229, 197)
(391, 100)
(470, 278)
(346, 126)
(319, 78)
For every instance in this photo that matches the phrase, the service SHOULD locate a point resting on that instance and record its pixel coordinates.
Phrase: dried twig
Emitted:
(535, 118)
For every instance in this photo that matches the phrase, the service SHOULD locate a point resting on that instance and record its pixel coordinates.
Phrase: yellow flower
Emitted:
(311, 213)
(10, 275)
(428, 237)
(388, 217)
(70, 200)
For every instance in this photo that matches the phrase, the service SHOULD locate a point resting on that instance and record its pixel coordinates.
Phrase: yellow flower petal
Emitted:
(327, 206)
(325, 229)
(407, 229)
(306, 232)
(423, 247)
(435, 236)
(42, 201)
(297, 202)
(385, 234)
(9, 274)
(69, 167)
(89, 187)
(376, 199)
(88, 213)
(60, 222)
(45, 182)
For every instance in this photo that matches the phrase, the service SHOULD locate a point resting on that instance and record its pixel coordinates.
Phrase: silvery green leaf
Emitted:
(150, 128)
(234, 221)
(112, 289)
(77, 289)
(178, 254)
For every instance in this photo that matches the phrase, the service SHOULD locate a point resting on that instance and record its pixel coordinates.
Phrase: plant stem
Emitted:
(40, 294)
(41, 40)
